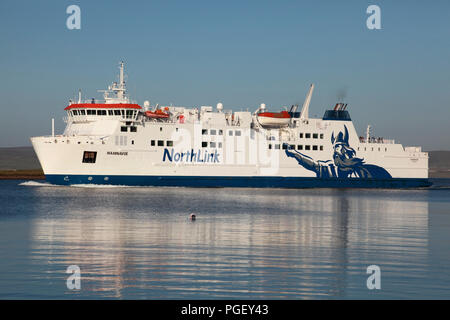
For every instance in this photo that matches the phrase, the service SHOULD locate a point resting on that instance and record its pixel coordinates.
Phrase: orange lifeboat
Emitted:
(157, 114)
(274, 119)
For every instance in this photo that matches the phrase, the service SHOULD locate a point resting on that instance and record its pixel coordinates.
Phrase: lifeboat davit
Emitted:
(157, 114)
(274, 119)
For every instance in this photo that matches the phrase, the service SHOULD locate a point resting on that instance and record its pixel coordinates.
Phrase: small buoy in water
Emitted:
(192, 217)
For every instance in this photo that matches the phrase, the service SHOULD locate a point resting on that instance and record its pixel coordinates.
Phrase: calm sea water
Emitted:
(245, 244)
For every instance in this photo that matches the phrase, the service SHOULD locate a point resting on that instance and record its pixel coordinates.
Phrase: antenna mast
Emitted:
(121, 88)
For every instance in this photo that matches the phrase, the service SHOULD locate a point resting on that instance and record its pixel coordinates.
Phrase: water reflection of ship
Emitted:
(278, 243)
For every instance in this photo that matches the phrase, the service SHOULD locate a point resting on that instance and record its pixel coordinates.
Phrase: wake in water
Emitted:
(46, 184)
(101, 186)
(37, 184)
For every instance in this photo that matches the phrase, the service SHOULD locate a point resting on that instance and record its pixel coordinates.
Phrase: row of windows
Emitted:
(160, 143)
(212, 144)
(169, 143)
(93, 112)
(125, 129)
(219, 132)
(299, 147)
(314, 135)
(379, 149)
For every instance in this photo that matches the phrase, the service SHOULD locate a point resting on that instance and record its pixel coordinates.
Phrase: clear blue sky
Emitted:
(240, 53)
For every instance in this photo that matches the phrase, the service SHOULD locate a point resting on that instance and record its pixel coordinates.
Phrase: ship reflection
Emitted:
(249, 243)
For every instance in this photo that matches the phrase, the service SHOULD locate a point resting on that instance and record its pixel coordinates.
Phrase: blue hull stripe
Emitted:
(238, 182)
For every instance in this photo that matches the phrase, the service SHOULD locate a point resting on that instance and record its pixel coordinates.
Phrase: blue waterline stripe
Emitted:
(237, 182)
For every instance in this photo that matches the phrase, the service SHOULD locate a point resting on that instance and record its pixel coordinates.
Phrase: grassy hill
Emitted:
(24, 158)
(18, 158)
(439, 164)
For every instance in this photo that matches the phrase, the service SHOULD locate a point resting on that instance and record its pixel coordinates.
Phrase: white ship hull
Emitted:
(242, 161)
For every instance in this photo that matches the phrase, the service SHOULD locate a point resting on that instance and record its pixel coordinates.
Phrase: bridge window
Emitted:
(117, 112)
(82, 112)
(129, 113)
(89, 156)
(101, 112)
(90, 112)
(110, 112)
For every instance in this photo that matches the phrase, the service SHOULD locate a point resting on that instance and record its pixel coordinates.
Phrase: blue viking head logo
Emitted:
(344, 155)
(342, 138)
(346, 163)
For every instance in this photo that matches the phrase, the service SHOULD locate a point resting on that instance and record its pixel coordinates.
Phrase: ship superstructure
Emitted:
(116, 141)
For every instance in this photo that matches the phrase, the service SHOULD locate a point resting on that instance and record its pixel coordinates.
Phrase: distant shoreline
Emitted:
(36, 174)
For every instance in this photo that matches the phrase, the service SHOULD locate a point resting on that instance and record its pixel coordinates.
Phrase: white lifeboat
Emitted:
(274, 119)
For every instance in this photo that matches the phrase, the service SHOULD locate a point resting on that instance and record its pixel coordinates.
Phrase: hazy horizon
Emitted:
(396, 79)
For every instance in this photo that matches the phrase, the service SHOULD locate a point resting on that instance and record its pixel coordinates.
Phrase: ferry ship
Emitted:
(118, 142)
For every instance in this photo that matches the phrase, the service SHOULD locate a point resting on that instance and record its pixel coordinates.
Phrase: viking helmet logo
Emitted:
(341, 138)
